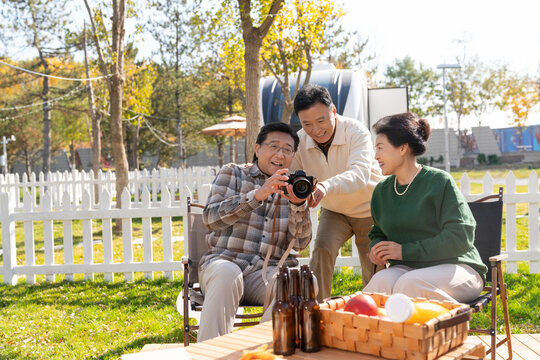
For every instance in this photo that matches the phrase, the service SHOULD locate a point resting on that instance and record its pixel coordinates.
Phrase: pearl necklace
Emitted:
(409, 184)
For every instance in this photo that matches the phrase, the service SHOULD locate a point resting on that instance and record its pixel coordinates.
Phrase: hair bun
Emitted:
(424, 129)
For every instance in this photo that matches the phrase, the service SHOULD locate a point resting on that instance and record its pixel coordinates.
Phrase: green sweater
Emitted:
(432, 221)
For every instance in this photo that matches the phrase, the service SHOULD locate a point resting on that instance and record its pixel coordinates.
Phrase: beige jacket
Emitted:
(349, 174)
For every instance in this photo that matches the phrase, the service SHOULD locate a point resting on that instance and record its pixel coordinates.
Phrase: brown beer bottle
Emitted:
(311, 317)
(282, 319)
(296, 301)
(285, 271)
(303, 269)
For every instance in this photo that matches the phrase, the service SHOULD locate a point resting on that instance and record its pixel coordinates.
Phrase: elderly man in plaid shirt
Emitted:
(247, 211)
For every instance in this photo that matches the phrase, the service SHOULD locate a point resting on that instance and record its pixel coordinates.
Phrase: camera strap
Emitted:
(269, 284)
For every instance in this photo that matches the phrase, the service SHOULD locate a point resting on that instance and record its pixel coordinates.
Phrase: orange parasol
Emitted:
(234, 126)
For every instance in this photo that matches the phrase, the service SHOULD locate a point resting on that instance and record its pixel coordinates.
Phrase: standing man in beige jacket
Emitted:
(339, 152)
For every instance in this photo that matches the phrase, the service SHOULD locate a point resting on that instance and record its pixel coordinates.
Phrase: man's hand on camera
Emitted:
(274, 184)
(317, 195)
(289, 195)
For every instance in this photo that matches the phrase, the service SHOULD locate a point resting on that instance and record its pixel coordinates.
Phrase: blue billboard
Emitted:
(518, 138)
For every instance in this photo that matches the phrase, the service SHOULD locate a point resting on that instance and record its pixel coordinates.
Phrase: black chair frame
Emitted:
(193, 298)
(489, 250)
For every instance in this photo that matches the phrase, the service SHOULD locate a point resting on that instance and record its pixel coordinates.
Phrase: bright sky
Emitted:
(429, 31)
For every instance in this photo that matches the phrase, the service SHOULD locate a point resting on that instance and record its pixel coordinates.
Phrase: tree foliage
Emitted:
(462, 89)
(22, 102)
(177, 27)
(40, 25)
(488, 85)
(297, 35)
(207, 65)
(520, 96)
(348, 49)
(254, 19)
(422, 84)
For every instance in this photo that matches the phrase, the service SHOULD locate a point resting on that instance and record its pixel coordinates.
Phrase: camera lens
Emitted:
(302, 187)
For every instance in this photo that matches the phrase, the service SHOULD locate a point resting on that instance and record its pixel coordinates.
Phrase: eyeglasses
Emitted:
(275, 149)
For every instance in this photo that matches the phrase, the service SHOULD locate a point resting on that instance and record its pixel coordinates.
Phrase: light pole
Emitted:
(446, 144)
(4, 154)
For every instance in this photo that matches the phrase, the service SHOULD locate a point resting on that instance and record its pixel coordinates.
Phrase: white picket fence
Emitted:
(87, 215)
(76, 182)
(511, 199)
(84, 208)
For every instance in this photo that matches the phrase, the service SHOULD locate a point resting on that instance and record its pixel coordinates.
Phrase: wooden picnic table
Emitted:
(230, 346)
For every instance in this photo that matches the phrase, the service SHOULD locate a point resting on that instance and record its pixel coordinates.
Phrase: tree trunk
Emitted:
(286, 112)
(135, 143)
(72, 154)
(95, 116)
(115, 83)
(27, 162)
(253, 37)
(288, 104)
(96, 142)
(177, 93)
(116, 92)
(286, 85)
(180, 148)
(46, 118)
(220, 151)
(253, 101)
(117, 137)
(231, 140)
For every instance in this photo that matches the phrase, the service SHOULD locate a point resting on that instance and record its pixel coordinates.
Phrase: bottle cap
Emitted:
(399, 308)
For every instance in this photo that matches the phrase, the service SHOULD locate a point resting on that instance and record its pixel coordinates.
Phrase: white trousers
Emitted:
(452, 282)
(225, 288)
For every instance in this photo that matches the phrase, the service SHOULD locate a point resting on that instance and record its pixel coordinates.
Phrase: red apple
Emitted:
(362, 304)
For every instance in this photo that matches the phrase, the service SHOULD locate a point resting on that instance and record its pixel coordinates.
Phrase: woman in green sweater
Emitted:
(423, 226)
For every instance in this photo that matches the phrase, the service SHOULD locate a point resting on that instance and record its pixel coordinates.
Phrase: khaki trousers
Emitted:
(452, 282)
(333, 231)
(225, 288)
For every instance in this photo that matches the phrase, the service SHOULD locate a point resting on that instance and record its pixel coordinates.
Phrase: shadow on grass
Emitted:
(126, 296)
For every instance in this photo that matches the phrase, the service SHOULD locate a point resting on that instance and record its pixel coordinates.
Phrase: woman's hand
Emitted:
(274, 184)
(385, 250)
(375, 260)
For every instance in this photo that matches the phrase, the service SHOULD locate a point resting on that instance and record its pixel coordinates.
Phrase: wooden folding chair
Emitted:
(488, 216)
(192, 296)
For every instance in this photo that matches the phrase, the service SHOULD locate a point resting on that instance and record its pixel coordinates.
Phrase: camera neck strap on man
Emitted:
(269, 284)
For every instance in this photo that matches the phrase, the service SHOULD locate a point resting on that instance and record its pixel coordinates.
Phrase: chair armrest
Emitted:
(498, 258)
(480, 302)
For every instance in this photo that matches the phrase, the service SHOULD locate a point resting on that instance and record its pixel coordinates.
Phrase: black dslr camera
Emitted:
(301, 183)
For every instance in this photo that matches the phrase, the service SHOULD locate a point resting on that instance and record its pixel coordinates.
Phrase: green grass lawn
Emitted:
(87, 320)
(98, 320)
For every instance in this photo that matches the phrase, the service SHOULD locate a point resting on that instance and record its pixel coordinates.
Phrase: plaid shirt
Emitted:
(241, 227)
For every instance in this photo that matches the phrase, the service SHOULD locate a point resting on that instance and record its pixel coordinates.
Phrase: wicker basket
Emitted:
(382, 337)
